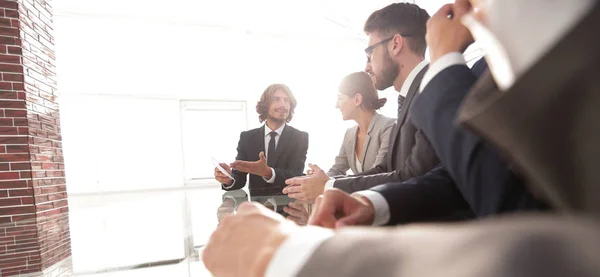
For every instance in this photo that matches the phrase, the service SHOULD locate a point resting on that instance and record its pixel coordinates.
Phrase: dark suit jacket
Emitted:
(473, 176)
(410, 153)
(290, 156)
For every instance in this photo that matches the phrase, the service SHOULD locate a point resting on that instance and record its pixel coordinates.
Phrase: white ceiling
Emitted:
(311, 17)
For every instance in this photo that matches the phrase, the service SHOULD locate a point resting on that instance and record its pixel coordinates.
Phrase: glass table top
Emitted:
(157, 232)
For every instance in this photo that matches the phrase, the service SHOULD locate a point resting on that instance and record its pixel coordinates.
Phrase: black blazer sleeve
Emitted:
(298, 158)
(486, 182)
(240, 177)
(431, 196)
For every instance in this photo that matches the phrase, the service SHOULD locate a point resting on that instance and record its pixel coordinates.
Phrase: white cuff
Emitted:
(382, 209)
(329, 184)
(230, 186)
(296, 250)
(272, 180)
(448, 60)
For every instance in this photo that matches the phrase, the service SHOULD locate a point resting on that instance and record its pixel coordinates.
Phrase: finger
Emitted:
(295, 181)
(261, 156)
(309, 172)
(315, 208)
(325, 215)
(314, 167)
(293, 212)
(292, 189)
(224, 165)
(445, 11)
(461, 7)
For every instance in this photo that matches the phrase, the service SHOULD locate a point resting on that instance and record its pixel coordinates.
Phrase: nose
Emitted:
(368, 68)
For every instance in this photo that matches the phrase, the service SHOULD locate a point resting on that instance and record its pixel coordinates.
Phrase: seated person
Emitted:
(366, 144)
(272, 153)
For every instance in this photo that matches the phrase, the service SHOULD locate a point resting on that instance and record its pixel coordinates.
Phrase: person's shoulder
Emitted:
(296, 131)
(386, 121)
(251, 132)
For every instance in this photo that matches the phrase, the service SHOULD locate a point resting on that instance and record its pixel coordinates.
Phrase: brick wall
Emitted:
(34, 227)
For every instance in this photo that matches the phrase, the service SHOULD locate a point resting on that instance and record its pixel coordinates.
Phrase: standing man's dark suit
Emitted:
(410, 153)
(289, 159)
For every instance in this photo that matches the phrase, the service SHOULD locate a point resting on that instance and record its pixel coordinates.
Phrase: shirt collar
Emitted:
(278, 131)
(411, 77)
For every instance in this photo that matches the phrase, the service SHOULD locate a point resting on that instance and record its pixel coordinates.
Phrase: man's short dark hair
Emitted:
(401, 18)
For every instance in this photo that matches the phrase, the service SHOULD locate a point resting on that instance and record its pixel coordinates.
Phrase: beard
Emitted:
(277, 119)
(389, 73)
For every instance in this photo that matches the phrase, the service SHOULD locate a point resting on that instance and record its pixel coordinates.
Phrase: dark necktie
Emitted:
(400, 102)
(271, 151)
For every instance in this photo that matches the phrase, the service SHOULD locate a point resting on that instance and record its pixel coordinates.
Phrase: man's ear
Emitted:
(397, 44)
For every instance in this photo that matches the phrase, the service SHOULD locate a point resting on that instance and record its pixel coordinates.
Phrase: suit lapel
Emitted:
(259, 141)
(352, 148)
(282, 144)
(368, 138)
(412, 91)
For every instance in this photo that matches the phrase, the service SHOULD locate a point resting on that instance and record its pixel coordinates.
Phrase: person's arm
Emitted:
(522, 246)
(421, 160)
(384, 138)
(239, 177)
(485, 180)
(429, 197)
(297, 165)
(341, 165)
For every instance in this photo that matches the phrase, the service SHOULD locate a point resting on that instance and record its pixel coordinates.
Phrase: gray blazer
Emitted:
(547, 124)
(374, 149)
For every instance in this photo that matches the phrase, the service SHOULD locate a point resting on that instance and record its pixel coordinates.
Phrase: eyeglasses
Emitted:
(369, 50)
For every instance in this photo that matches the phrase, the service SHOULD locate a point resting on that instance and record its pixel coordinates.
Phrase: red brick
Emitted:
(2, 12)
(14, 157)
(9, 176)
(20, 192)
(44, 207)
(5, 220)
(9, 5)
(7, 94)
(10, 77)
(49, 166)
(4, 166)
(23, 246)
(5, 22)
(18, 86)
(15, 113)
(15, 23)
(9, 131)
(10, 41)
(5, 85)
(3, 193)
(9, 31)
(15, 50)
(13, 140)
(25, 174)
(17, 210)
(27, 201)
(13, 184)
(20, 166)
(20, 122)
(23, 131)
(57, 196)
(11, 14)
(6, 122)
(11, 104)
(17, 149)
(10, 202)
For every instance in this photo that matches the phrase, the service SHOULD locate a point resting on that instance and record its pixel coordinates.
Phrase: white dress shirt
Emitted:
(268, 130)
(295, 251)
(403, 91)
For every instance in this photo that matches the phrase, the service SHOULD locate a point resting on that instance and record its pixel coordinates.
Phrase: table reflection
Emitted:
(295, 210)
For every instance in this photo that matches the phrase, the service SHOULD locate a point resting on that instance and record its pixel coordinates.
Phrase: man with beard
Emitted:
(395, 57)
(272, 153)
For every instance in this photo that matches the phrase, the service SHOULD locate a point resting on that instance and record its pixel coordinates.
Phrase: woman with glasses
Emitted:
(366, 144)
